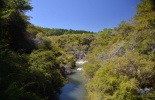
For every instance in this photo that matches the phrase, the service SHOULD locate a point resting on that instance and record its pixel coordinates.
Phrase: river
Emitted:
(74, 89)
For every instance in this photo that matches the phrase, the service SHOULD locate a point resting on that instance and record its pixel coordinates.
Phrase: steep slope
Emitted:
(121, 61)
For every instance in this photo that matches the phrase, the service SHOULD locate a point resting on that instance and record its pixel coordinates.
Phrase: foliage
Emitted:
(47, 78)
(32, 59)
(13, 74)
(57, 32)
(13, 25)
(145, 15)
(20, 78)
(121, 60)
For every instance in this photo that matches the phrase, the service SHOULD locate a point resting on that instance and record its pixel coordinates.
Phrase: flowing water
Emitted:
(74, 89)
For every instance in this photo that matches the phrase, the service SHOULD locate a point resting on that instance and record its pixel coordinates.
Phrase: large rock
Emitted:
(68, 69)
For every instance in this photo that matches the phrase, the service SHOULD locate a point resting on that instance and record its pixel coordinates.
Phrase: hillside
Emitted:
(121, 61)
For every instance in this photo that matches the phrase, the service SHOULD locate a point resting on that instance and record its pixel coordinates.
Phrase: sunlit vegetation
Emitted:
(121, 60)
(57, 32)
(33, 60)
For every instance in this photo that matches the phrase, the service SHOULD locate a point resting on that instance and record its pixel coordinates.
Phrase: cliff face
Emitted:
(79, 55)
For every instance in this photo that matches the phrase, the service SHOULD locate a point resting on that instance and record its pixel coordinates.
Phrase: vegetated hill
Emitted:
(75, 44)
(121, 61)
(54, 31)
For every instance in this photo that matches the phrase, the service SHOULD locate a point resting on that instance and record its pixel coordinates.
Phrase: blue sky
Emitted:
(90, 15)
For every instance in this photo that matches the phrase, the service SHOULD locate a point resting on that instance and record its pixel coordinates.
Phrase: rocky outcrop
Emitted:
(78, 55)
(68, 69)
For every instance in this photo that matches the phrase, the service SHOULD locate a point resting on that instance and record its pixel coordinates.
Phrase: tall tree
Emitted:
(13, 29)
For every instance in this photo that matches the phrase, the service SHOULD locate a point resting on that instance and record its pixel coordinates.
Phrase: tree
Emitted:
(47, 79)
(121, 77)
(14, 23)
(145, 14)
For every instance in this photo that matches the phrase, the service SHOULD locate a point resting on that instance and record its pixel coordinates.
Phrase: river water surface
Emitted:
(74, 89)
